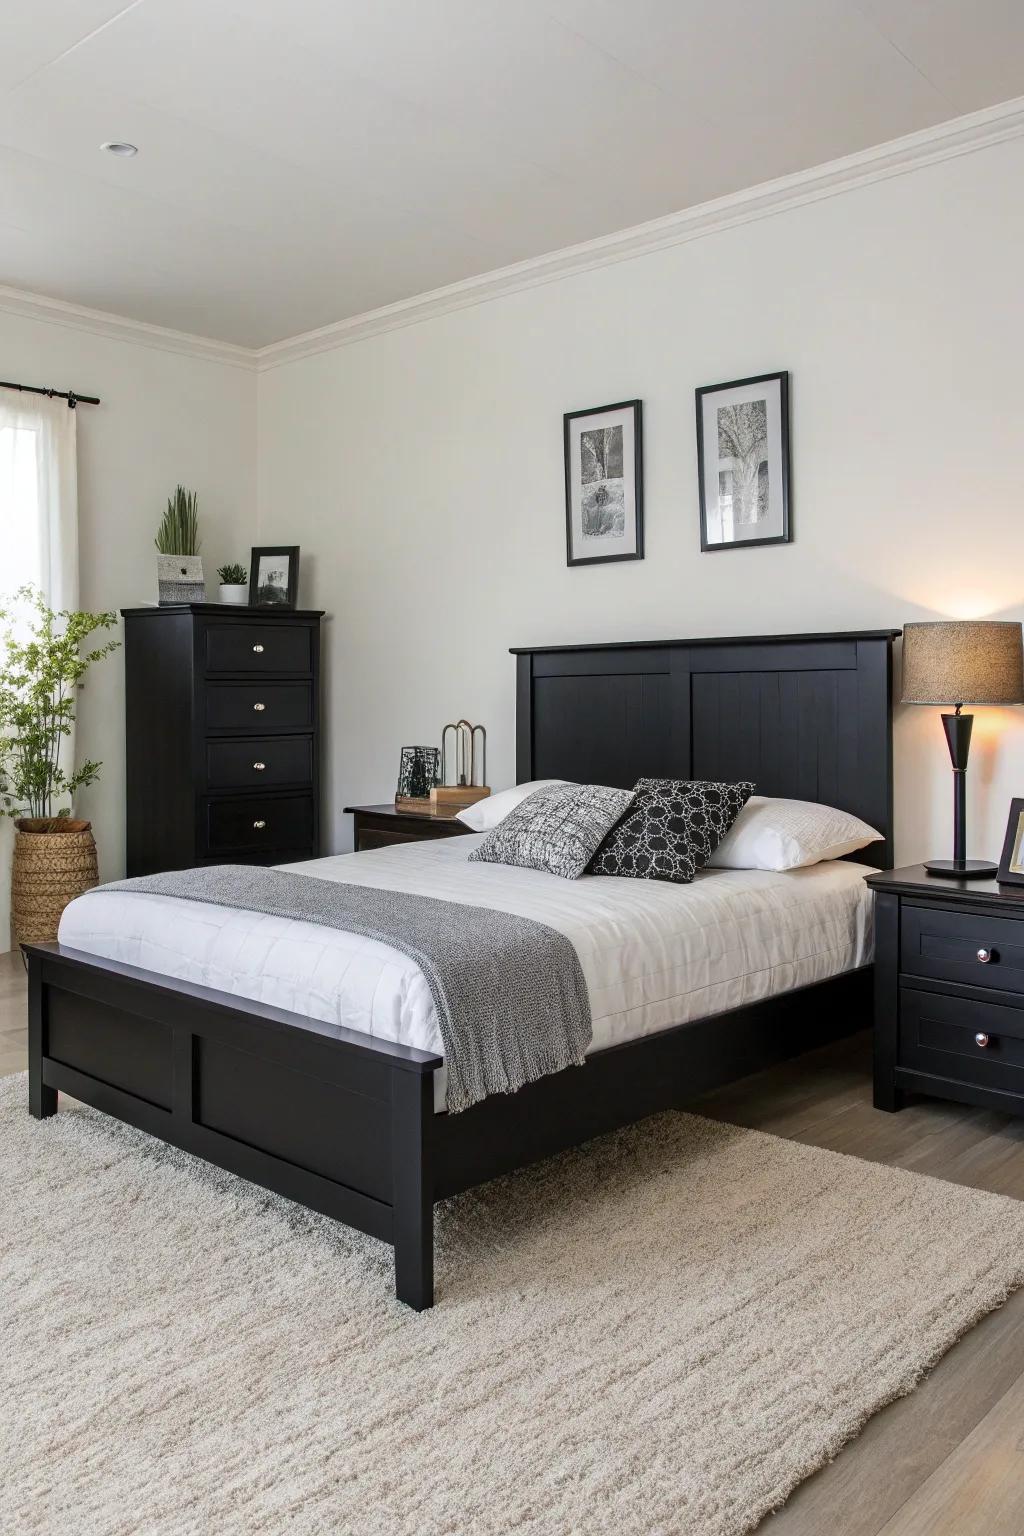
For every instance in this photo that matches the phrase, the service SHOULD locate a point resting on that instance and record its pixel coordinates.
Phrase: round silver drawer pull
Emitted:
(259, 708)
(984, 956)
(981, 1040)
(259, 767)
(258, 826)
(257, 650)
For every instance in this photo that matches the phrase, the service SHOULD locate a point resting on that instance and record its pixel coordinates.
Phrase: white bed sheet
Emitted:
(653, 954)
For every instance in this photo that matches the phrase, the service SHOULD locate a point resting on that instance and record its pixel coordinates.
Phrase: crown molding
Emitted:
(945, 141)
(76, 317)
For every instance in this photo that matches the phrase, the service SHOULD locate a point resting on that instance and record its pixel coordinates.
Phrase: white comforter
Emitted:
(653, 954)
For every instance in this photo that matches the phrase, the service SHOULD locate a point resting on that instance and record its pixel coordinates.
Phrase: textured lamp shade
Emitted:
(970, 662)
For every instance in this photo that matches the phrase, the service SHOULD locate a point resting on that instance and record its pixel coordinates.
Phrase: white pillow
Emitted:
(487, 813)
(789, 834)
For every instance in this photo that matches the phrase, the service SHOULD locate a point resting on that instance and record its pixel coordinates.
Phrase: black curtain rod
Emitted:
(54, 394)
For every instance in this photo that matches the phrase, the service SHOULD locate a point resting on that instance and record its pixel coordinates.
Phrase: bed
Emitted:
(226, 1042)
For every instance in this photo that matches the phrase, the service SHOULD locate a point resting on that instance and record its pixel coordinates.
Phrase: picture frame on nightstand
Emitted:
(1011, 864)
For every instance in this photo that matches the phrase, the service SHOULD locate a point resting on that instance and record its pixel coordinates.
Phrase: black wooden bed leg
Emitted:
(887, 948)
(412, 1111)
(42, 1100)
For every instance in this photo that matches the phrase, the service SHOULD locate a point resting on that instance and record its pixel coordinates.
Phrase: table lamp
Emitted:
(978, 661)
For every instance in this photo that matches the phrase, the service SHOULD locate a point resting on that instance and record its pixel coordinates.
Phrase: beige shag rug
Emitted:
(659, 1334)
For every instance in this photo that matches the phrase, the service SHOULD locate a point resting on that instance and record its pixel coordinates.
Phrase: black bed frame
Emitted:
(344, 1123)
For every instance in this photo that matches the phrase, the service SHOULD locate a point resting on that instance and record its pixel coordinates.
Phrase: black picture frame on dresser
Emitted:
(290, 554)
(1011, 862)
(949, 990)
(222, 735)
(344, 1122)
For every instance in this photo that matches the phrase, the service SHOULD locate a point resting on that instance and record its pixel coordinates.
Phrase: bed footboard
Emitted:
(322, 1115)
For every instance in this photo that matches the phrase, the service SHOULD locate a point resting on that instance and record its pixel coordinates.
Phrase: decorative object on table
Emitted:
(604, 484)
(976, 661)
(418, 771)
(43, 664)
(743, 462)
(459, 785)
(234, 584)
(1011, 865)
(274, 576)
(179, 566)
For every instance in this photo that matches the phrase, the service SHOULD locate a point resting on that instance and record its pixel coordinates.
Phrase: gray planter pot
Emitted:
(180, 579)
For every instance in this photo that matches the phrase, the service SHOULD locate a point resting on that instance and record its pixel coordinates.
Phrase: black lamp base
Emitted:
(962, 869)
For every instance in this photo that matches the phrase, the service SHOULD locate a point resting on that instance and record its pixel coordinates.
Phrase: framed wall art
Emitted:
(604, 511)
(743, 462)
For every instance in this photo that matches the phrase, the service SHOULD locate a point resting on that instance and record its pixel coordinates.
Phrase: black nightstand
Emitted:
(378, 825)
(949, 990)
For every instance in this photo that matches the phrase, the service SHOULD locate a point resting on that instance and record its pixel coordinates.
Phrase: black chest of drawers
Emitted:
(949, 990)
(222, 735)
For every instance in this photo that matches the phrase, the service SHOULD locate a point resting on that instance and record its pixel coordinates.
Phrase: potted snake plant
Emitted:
(44, 657)
(179, 565)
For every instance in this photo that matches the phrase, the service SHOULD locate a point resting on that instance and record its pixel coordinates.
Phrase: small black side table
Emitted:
(378, 825)
(949, 990)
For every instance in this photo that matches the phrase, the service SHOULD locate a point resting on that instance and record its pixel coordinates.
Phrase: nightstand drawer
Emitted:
(954, 1037)
(967, 947)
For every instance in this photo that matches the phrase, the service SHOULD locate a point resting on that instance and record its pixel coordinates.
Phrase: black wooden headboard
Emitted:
(807, 717)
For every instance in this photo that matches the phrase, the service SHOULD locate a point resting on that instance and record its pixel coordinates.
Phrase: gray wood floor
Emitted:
(949, 1459)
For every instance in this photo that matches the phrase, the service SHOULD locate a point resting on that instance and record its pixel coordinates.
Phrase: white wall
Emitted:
(421, 471)
(164, 418)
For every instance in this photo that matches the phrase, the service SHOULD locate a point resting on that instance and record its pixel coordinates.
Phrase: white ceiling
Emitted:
(302, 161)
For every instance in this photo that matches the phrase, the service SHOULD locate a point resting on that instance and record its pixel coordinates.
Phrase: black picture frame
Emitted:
(1011, 863)
(289, 552)
(635, 407)
(781, 378)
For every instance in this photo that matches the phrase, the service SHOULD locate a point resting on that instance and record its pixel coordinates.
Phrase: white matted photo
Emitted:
(743, 462)
(604, 484)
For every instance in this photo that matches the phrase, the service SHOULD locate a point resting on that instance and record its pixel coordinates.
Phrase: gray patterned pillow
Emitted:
(556, 829)
(671, 829)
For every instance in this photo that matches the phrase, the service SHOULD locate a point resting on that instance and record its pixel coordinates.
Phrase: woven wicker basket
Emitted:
(50, 869)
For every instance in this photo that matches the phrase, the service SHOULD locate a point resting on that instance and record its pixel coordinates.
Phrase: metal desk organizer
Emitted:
(453, 795)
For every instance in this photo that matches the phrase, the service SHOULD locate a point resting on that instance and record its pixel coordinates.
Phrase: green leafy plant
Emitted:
(43, 661)
(178, 533)
(233, 575)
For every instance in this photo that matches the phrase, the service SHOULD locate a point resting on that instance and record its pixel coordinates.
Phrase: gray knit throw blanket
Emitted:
(511, 1001)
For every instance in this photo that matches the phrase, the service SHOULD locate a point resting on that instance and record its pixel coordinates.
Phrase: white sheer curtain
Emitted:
(38, 530)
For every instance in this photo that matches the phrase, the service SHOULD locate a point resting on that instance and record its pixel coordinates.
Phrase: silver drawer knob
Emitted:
(258, 826)
(257, 650)
(259, 767)
(259, 708)
(984, 956)
(981, 1040)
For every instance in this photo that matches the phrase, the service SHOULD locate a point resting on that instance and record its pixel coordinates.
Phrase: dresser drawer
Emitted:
(955, 945)
(259, 761)
(959, 1038)
(260, 706)
(255, 822)
(259, 648)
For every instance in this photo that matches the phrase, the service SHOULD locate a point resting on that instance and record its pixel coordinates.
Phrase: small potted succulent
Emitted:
(234, 584)
(179, 565)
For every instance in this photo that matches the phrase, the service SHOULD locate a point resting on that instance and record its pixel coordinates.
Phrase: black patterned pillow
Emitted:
(556, 829)
(671, 829)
